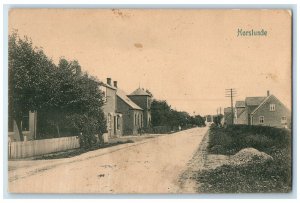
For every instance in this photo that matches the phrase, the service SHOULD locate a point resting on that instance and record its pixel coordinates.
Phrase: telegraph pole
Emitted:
(231, 93)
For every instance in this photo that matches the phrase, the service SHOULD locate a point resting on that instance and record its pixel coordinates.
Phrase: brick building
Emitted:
(113, 118)
(266, 111)
(143, 100)
(126, 114)
(227, 116)
(131, 112)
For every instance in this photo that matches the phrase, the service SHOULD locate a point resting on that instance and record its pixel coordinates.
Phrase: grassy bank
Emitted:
(271, 176)
(78, 151)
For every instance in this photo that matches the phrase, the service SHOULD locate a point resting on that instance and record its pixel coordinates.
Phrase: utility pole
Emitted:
(231, 93)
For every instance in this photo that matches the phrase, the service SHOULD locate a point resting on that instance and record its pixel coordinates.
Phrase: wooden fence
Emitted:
(26, 149)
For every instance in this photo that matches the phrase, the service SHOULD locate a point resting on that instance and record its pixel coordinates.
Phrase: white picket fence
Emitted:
(26, 149)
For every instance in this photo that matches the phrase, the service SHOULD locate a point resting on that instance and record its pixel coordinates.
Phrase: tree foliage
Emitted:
(29, 71)
(163, 115)
(217, 119)
(63, 95)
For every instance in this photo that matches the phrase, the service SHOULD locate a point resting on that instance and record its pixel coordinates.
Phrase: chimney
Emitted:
(268, 93)
(116, 84)
(108, 81)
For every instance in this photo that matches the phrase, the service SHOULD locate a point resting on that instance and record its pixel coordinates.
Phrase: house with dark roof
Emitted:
(125, 114)
(227, 116)
(132, 114)
(240, 113)
(113, 118)
(266, 111)
(143, 99)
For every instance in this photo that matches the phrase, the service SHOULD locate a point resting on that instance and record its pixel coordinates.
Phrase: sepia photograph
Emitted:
(149, 101)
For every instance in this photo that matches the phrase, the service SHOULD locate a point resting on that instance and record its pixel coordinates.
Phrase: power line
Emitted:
(231, 93)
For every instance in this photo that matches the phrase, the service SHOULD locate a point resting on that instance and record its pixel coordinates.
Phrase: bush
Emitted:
(271, 176)
(236, 137)
(266, 177)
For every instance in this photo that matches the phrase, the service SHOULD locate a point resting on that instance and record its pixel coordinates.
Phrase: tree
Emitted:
(77, 102)
(28, 73)
(217, 119)
(198, 120)
(160, 113)
(163, 115)
(63, 95)
(150, 93)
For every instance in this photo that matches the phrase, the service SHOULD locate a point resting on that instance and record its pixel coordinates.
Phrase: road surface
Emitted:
(149, 166)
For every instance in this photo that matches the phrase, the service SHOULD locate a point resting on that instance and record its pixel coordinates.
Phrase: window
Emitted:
(118, 122)
(272, 107)
(261, 119)
(283, 120)
(109, 121)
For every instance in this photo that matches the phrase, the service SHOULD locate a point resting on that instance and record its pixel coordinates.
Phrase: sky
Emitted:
(187, 57)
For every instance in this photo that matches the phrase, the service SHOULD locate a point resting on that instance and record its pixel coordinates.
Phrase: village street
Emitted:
(149, 166)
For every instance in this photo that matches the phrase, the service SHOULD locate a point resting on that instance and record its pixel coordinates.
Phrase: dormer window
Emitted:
(272, 107)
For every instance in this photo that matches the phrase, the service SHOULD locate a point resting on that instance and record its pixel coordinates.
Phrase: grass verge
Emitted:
(78, 151)
(271, 176)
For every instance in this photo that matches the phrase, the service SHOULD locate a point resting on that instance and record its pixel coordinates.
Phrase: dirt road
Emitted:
(150, 166)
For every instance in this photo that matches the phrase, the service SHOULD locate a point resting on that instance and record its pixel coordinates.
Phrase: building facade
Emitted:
(227, 116)
(28, 126)
(113, 118)
(240, 113)
(143, 100)
(265, 111)
(133, 118)
(271, 112)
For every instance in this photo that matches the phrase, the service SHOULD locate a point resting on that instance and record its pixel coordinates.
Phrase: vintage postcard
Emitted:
(146, 101)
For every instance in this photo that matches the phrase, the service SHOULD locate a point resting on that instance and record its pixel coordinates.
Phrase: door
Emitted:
(115, 125)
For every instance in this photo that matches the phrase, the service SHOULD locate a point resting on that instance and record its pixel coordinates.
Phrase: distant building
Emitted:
(266, 111)
(208, 118)
(227, 116)
(240, 113)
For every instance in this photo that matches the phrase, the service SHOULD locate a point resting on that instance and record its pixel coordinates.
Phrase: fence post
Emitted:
(9, 149)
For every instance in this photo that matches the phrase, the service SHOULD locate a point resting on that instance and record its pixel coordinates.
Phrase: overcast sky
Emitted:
(187, 57)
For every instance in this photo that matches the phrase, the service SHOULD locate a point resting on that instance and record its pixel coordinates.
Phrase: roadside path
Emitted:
(149, 166)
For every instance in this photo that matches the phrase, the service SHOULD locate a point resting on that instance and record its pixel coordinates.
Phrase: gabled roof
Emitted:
(241, 112)
(254, 101)
(139, 92)
(122, 95)
(239, 104)
(227, 110)
(264, 101)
